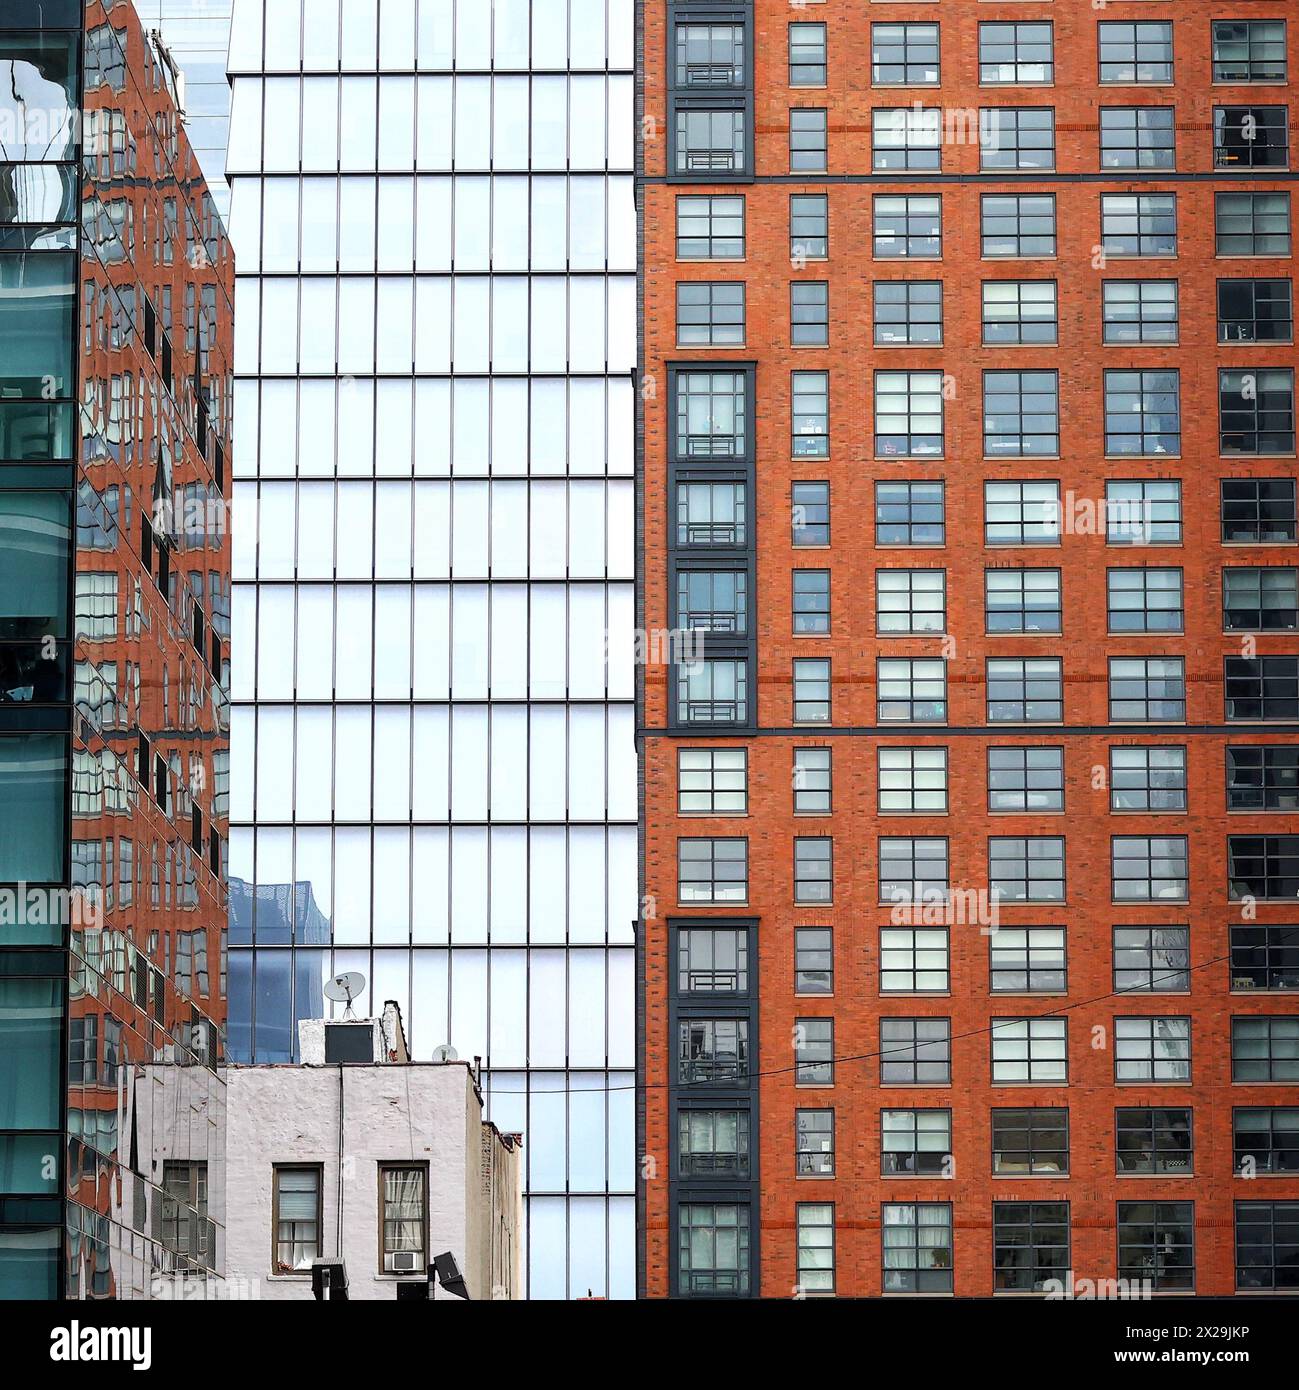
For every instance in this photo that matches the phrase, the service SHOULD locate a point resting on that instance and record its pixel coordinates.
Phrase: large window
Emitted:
(915, 1051)
(1024, 691)
(713, 600)
(1139, 311)
(1152, 1049)
(1260, 599)
(713, 691)
(1021, 414)
(1265, 1140)
(1018, 224)
(915, 1143)
(1143, 513)
(712, 781)
(1139, 224)
(906, 138)
(1027, 960)
(1144, 600)
(1147, 689)
(1256, 410)
(710, 313)
(914, 960)
(297, 1218)
(1250, 137)
(1249, 50)
(1030, 1244)
(712, 871)
(908, 313)
(910, 602)
(1018, 312)
(710, 141)
(1152, 960)
(1157, 1244)
(713, 1051)
(713, 1144)
(1255, 311)
(33, 809)
(1262, 687)
(904, 55)
(1022, 601)
(710, 228)
(912, 869)
(38, 302)
(1147, 778)
(404, 1220)
(1135, 51)
(1264, 958)
(1016, 54)
(711, 514)
(1149, 868)
(911, 690)
(908, 225)
(1265, 1048)
(1252, 224)
(908, 414)
(1149, 1140)
(1267, 1246)
(910, 514)
(31, 1032)
(1029, 1051)
(814, 1143)
(1263, 778)
(712, 960)
(917, 1247)
(709, 55)
(711, 414)
(1263, 866)
(1027, 869)
(1022, 137)
(713, 1248)
(1137, 137)
(912, 780)
(1025, 779)
(1026, 1142)
(1142, 413)
(816, 1247)
(1021, 513)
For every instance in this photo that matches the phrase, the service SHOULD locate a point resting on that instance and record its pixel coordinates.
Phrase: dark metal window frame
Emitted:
(1255, 613)
(1251, 286)
(1137, 138)
(1124, 36)
(1149, 857)
(684, 204)
(1036, 1121)
(1277, 875)
(1016, 40)
(1157, 1149)
(905, 1040)
(1171, 1226)
(1039, 966)
(1146, 699)
(1225, 71)
(712, 790)
(1018, 761)
(817, 64)
(1149, 790)
(1262, 777)
(1265, 1156)
(1146, 241)
(1233, 243)
(901, 56)
(1018, 200)
(932, 240)
(906, 763)
(1265, 956)
(911, 700)
(1276, 1254)
(923, 1163)
(1263, 674)
(804, 758)
(1272, 1063)
(1153, 978)
(912, 297)
(1141, 1029)
(1047, 1254)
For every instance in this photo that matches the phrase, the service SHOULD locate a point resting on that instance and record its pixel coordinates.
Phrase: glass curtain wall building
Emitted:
(434, 773)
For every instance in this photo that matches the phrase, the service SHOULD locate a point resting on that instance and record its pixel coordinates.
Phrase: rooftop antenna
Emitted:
(342, 989)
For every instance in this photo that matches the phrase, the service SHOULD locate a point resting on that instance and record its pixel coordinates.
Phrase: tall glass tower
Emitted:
(433, 764)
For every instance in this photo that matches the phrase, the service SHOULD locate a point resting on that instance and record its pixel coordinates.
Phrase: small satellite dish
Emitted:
(445, 1053)
(342, 989)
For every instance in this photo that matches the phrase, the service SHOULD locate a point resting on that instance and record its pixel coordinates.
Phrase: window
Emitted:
(1137, 137)
(1015, 54)
(1267, 1245)
(1025, 779)
(1252, 224)
(814, 1052)
(811, 691)
(712, 871)
(1250, 137)
(712, 960)
(1142, 413)
(904, 55)
(297, 1219)
(710, 141)
(809, 226)
(1157, 1243)
(1260, 599)
(1027, 960)
(1021, 414)
(911, 690)
(1153, 1141)
(710, 228)
(816, 1247)
(1143, 513)
(1019, 312)
(912, 780)
(1262, 687)
(1024, 691)
(1018, 224)
(810, 513)
(915, 1143)
(1264, 958)
(38, 290)
(33, 810)
(710, 313)
(1027, 869)
(813, 869)
(710, 55)
(910, 514)
(1139, 224)
(814, 1143)
(1147, 868)
(711, 414)
(1022, 137)
(1152, 1049)
(906, 137)
(1147, 779)
(1249, 50)
(812, 778)
(811, 414)
(910, 601)
(1030, 1245)
(713, 691)
(713, 1051)
(1021, 513)
(908, 225)
(1030, 1141)
(1255, 311)
(912, 870)
(713, 600)
(915, 1051)
(711, 514)
(807, 140)
(1135, 52)
(1022, 600)
(908, 313)
(404, 1220)
(917, 1247)
(1147, 689)
(807, 61)
(1263, 778)
(908, 414)
(1152, 960)
(811, 601)
(1266, 1140)
(914, 960)
(1139, 311)
(809, 313)
(185, 1225)
(1256, 410)
(713, 1144)
(1265, 1048)
(713, 1248)
(1263, 866)
(1144, 600)
(813, 960)
(712, 781)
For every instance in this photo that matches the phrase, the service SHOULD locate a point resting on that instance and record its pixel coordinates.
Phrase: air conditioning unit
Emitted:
(405, 1261)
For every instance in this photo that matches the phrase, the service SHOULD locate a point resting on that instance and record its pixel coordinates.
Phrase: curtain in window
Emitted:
(403, 1210)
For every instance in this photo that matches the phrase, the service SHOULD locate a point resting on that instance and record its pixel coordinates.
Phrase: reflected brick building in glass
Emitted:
(115, 335)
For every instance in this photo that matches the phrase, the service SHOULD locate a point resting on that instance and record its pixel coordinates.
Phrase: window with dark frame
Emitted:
(915, 1143)
(915, 1051)
(1252, 224)
(1147, 689)
(1153, 1140)
(1017, 224)
(710, 514)
(1256, 410)
(1143, 512)
(1023, 137)
(711, 414)
(1144, 599)
(710, 227)
(809, 226)
(908, 313)
(1025, 690)
(807, 55)
(1021, 414)
(1027, 960)
(1251, 137)
(814, 1222)
(909, 602)
(908, 414)
(1263, 777)
(905, 55)
(1258, 511)
(1139, 224)
(713, 691)
(912, 780)
(1267, 1246)
(811, 601)
(713, 781)
(1256, 311)
(713, 1249)
(813, 960)
(1263, 957)
(810, 514)
(1025, 780)
(1249, 50)
(297, 1219)
(813, 774)
(814, 1052)
(711, 140)
(910, 514)
(1019, 54)
(814, 1143)
(1152, 1049)
(1260, 598)
(1029, 1142)
(1022, 601)
(1156, 1244)
(917, 1238)
(1152, 960)
(811, 691)
(813, 869)
(1139, 311)
(811, 414)
(1261, 687)
(713, 1051)
(712, 960)
(710, 313)
(1020, 512)
(911, 690)
(1027, 869)
(914, 960)
(713, 1144)
(1265, 1048)
(1263, 866)
(908, 225)
(1265, 1139)
(1029, 1051)
(1132, 52)
(1019, 312)
(1149, 868)
(713, 600)
(403, 1222)
(1030, 1245)
(809, 313)
(1142, 413)
(1144, 778)
(712, 870)
(808, 147)
(913, 869)
(906, 138)
(1137, 137)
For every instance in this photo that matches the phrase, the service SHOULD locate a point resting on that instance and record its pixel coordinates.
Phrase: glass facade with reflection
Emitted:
(116, 336)
(434, 775)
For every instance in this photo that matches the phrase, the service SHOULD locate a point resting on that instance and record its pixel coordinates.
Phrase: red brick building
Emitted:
(970, 951)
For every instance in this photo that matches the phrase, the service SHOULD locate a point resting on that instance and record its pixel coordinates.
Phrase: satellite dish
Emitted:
(342, 989)
(445, 1053)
